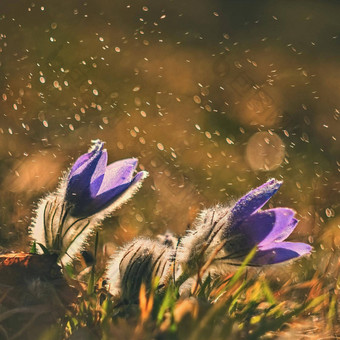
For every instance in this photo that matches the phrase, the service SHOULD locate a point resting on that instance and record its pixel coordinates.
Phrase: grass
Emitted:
(238, 306)
(246, 304)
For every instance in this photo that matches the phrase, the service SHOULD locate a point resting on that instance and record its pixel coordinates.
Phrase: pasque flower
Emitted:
(91, 191)
(266, 229)
(93, 186)
(235, 230)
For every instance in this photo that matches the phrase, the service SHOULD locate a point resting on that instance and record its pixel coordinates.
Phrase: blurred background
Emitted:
(213, 97)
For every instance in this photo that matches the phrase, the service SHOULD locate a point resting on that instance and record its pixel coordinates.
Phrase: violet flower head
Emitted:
(249, 226)
(92, 190)
(92, 186)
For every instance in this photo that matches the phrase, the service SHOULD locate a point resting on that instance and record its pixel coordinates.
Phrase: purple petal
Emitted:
(82, 161)
(287, 231)
(254, 200)
(101, 166)
(279, 252)
(98, 175)
(108, 197)
(264, 227)
(118, 173)
(141, 175)
(78, 184)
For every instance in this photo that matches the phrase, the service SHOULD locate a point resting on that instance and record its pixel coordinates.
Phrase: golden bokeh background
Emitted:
(213, 97)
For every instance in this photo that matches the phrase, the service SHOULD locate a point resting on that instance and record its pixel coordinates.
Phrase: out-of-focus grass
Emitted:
(242, 305)
(247, 303)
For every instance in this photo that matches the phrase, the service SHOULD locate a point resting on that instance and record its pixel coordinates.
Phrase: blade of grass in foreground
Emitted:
(167, 303)
(238, 273)
(267, 324)
(219, 306)
(242, 268)
(90, 288)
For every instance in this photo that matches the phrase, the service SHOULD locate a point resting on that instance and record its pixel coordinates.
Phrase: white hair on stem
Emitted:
(141, 261)
(198, 244)
(59, 232)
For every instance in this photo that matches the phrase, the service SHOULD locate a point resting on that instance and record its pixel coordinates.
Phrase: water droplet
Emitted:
(139, 218)
(329, 212)
(197, 99)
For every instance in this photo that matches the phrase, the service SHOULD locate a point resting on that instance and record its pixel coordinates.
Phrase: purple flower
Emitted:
(92, 186)
(248, 226)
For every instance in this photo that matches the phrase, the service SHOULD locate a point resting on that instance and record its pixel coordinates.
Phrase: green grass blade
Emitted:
(91, 283)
